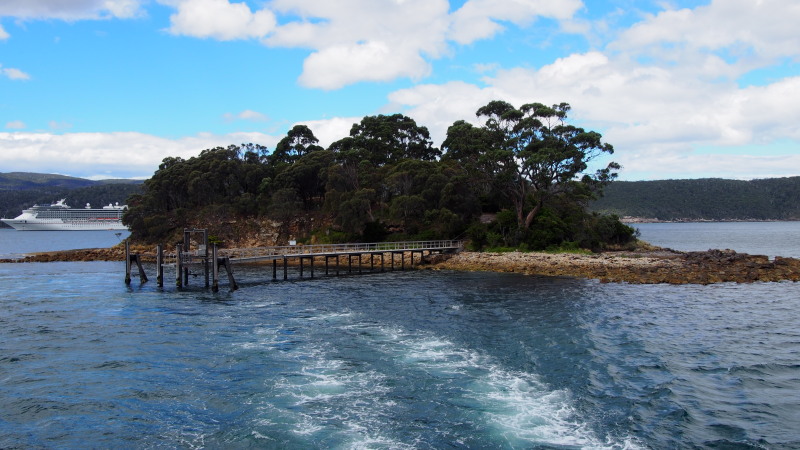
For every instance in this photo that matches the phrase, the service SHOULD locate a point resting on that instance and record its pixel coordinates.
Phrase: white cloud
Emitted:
(15, 125)
(661, 122)
(220, 19)
(70, 9)
(370, 61)
(14, 74)
(329, 131)
(681, 165)
(361, 40)
(751, 33)
(3, 34)
(125, 154)
(480, 19)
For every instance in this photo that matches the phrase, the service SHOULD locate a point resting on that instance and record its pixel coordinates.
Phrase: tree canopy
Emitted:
(387, 179)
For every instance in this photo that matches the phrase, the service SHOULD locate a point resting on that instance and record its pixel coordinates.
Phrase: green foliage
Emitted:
(478, 236)
(387, 181)
(567, 247)
(704, 199)
(532, 154)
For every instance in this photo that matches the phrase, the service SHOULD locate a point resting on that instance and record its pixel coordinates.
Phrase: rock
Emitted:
(660, 266)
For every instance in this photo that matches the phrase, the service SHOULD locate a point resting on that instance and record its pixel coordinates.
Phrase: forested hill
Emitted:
(704, 199)
(27, 180)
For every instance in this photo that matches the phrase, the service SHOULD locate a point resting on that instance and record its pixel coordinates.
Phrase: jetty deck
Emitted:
(211, 259)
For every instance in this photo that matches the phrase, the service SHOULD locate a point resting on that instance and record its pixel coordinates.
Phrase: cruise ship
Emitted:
(61, 217)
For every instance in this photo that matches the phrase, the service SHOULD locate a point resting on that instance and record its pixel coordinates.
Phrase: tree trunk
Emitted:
(532, 214)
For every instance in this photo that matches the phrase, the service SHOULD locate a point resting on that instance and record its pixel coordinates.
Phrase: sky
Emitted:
(681, 88)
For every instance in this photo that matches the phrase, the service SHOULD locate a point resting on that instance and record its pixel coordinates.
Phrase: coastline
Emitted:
(633, 220)
(654, 266)
(649, 265)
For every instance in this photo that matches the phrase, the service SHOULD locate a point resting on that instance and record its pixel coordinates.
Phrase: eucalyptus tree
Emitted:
(385, 139)
(533, 155)
(299, 141)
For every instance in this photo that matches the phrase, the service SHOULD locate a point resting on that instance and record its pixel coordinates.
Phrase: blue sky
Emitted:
(682, 89)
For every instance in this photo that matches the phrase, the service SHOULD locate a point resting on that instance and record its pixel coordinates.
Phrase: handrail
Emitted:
(331, 249)
(277, 252)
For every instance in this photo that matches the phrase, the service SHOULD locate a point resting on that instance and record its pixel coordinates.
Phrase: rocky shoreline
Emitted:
(650, 266)
(639, 267)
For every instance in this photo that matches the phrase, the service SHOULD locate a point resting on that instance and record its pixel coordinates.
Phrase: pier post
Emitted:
(205, 255)
(142, 275)
(214, 270)
(178, 266)
(359, 263)
(312, 267)
(127, 262)
(285, 275)
(186, 248)
(392, 255)
(229, 269)
(301, 267)
(160, 265)
(274, 269)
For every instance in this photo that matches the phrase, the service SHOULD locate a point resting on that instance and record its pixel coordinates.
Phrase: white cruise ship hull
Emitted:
(60, 217)
(59, 225)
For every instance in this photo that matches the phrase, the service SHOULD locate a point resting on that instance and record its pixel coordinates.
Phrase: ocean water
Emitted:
(413, 359)
(16, 244)
(756, 238)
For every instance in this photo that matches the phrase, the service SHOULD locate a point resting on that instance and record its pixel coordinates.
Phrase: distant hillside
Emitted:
(25, 180)
(704, 199)
(17, 181)
(19, 190)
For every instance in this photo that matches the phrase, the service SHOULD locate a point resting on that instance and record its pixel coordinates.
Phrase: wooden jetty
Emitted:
(212, 260)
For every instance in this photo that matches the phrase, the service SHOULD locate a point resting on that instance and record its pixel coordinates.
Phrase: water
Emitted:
(396, 360)
(15, 244)
(755, 238)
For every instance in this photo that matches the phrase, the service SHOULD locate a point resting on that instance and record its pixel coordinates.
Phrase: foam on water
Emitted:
(411, 360)
(518, 406)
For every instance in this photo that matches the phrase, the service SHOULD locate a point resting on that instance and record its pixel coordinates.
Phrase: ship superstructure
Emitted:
(61, 217)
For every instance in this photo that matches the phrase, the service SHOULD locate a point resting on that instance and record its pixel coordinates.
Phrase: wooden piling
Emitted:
(214, 269)
(160, 265)
(229, 270)
(142, 275)
(179, 265)
(127, 262)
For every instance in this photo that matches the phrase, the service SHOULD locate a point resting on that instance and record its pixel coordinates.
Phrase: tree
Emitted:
(299, 141)
(307, 176)
(536, 155)
(386, 139)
